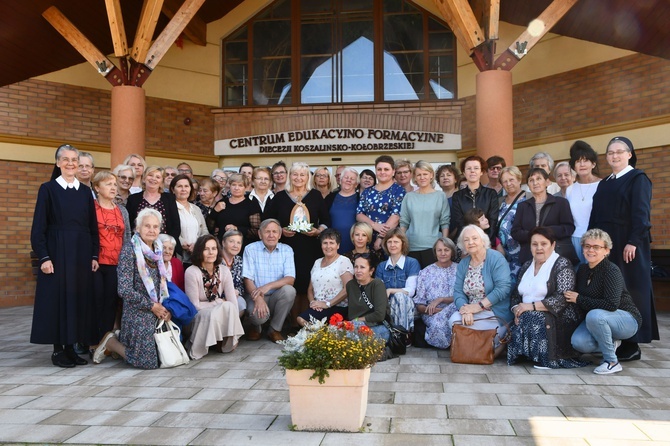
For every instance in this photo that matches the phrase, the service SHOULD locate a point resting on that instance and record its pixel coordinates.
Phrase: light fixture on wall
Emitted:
(187, 121)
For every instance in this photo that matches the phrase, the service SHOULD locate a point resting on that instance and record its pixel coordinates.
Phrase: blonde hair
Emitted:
(331, 183)
(152, 169)
(426, 167)
(299, 166)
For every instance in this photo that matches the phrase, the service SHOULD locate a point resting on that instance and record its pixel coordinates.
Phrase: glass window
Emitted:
(339, 51)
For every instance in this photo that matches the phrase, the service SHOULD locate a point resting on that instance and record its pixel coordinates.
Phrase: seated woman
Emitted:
(601, 292)
(482, 288)
(330, 274)
(173, 266)
(543, 320)
(232, 246)
(142, 287)
(367, 297)
(210, 289)
(361, 237)
(435, 294)
(399, 274)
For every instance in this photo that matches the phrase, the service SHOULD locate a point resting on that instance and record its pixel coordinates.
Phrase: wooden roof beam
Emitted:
(151, 10)
(116, 27)
(195, 31)
(460, 18)
(85, 47)
(533, 33)
(166, 38)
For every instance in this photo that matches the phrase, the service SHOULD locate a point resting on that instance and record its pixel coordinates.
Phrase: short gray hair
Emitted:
(144, 213)
(123, 167)
(350, 169)
(64, 148)
(449, 244)
(567, 164)
(597, 234)
(89, 156)
(167, 239)
(485, 238)
(539, 156)
(265, 223)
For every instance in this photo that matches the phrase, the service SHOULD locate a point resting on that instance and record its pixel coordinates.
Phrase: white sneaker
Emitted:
(541, 367)
(99, 353)
(606, 368)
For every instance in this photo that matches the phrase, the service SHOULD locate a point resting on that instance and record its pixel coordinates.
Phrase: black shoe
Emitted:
(75, 358)
(80, 349)
(628, 351)
(60, 359)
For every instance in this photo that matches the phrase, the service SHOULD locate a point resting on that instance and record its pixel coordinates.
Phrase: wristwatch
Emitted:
(328, 303)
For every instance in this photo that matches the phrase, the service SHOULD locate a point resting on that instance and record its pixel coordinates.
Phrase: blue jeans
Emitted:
(379, 330)
(600, 329)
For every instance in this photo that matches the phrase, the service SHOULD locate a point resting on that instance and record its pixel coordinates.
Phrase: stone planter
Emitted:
(337, 405)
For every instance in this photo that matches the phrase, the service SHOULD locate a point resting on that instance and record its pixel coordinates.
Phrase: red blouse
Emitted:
(111, 229)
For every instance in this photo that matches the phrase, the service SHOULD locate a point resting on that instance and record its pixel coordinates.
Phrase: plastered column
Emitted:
(495, 131)
(128, 122)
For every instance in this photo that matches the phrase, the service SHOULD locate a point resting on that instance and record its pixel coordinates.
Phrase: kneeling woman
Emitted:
(543, 320)
(142, 286)
(367, 297)
(612, 316)
(210, 288)
(482, 288)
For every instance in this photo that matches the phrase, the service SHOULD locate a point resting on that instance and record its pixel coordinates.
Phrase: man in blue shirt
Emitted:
(268, 270)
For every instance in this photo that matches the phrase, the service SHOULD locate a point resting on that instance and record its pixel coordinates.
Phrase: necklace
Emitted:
(228, 264)
(588, 189)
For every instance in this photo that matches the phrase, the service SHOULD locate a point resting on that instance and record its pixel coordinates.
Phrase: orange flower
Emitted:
(364, 329)
(349, 326)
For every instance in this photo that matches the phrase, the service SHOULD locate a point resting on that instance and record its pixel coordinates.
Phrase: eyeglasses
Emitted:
(403, 172)
(184, 170)
(596, 248)
(125, 178)
(262, 179)
(170, 174)
(276, 174)
(321, 175)
(616, 152)
(495, 168)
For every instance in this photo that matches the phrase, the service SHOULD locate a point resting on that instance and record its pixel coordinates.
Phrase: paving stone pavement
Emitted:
(242, 398)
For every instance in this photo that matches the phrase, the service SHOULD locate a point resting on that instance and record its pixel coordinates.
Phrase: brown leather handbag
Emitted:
(470, 346)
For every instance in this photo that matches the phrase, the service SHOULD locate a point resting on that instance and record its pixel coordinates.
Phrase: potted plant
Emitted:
(327, 369)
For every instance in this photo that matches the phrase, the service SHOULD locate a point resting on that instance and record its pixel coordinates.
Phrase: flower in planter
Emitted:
(338, 345)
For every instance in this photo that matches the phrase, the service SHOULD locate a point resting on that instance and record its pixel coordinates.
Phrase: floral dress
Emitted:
(436, 282)
(511, 246)
(138, 323)
(378, 206)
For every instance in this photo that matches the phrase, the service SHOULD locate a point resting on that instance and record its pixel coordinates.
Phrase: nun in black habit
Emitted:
(65, 238)
(622, 208)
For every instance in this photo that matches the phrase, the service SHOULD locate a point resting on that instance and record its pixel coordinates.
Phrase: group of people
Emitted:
(268, 249)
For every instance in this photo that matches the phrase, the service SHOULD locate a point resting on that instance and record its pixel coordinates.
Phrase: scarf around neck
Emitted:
(144, 252)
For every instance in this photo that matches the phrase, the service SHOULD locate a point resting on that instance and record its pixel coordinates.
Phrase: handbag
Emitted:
(399, 339)
(470, 346)
(179, 306)
(170, 350)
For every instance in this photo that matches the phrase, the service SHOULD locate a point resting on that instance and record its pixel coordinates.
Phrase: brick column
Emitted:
(494, 111)
(128, 122)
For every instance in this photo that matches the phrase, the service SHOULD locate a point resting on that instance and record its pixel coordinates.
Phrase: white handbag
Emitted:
(171, 352)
